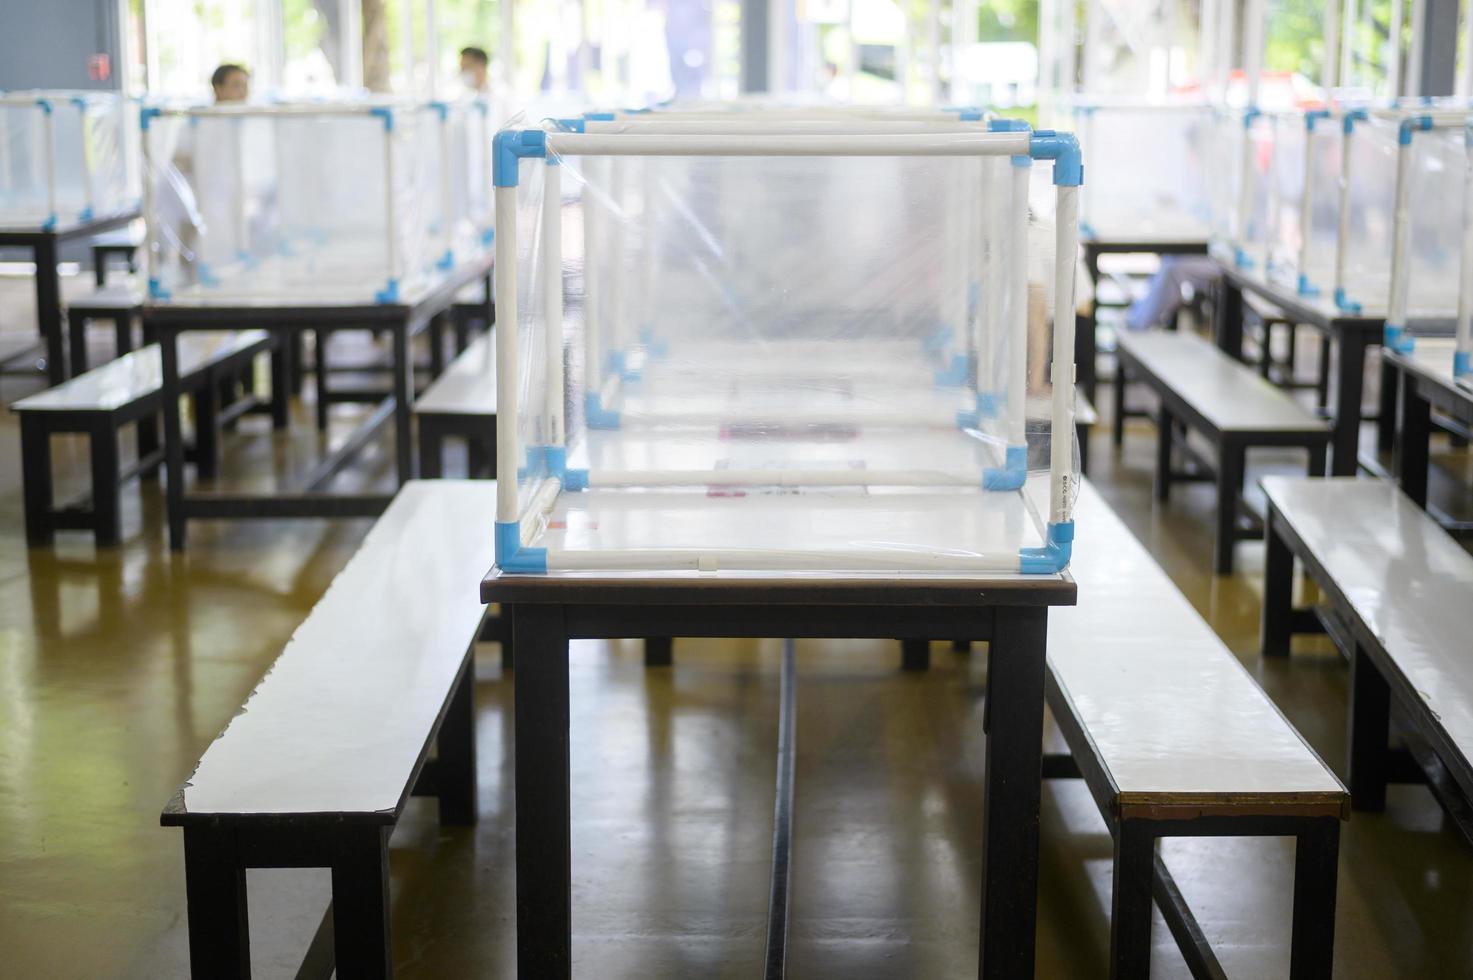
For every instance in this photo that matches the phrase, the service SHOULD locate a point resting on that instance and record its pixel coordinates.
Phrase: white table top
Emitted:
(1172, 712)
(135, 374)
(339, 721)
(1405, 577)
(1432, 359)
(1227, 392)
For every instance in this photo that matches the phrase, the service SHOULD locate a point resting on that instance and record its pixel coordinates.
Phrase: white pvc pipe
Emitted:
(151, 267)
(1350, 16)
(1342, 228)
(1017, 285)
(1306, 203)
(1061, 439)
(1253, 18)
(944, 122)
(49, 127)
(1328, 68)
(1246, 185)
(593, 275)
(1466, 87)
(1271, 223)
(1396, 304)
(507, 382)
(774, 560)
(447, 195)
(1464, 341)
(391, 243)
(916, 145)
(552, 300)
(780, 478)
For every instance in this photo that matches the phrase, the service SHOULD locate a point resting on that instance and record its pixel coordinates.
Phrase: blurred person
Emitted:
(475, 69)
(1164, 295)
(231, 83)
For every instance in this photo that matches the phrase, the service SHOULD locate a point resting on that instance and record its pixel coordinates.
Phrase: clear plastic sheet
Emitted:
(1147, 165)
(796, 362)
(336, 202)
(64, 158)
(1304, 223)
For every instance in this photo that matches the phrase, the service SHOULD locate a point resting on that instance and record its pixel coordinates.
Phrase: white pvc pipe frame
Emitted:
(528, 521)
(45, 102)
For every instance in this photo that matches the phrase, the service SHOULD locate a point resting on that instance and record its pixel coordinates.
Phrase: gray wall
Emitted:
(47, 43)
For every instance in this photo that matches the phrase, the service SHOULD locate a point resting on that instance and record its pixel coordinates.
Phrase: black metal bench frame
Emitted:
(102, 426)
(1141, 876)
(1429, 755)
(1231, 448)
(478, 429)
(354, 845)
(122, 316)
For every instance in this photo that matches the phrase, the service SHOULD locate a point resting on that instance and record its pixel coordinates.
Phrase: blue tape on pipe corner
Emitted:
(508, 147)
(1242, 259)
(1307, 288)
(955, 374)
(1395, 337)
(1011, 475)
(595, 416)
(986, 408)
(512, 557)
(1462, 363)
(1063, 149)
(1054, 556)
(156, 290)
(1344, 303)
(389, 294)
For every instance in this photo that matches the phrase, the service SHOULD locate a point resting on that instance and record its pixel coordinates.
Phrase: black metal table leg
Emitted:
(1117, 424)
(1386, 412)
(1411, 444)
(35, 456)
(169, 392)
(1278, 591)
(659, 651)
(106, 473)
(1164, 427)
(455, 771)
(360, 904)
(319, 373)
(1229, 488)
(1316, 860)
(1370, 729)
(281, 370)
(1130, 901)
(1012, 776)
(48, 308)
(544, 848)
(436, 334)
(207, 430)
(219, 930)
(915, 655)
(403, 405)
(1227, 323)
(431, 451)
(76, 329)
(1349, 388)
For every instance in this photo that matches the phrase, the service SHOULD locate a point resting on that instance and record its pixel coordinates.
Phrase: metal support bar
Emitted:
(782, 817)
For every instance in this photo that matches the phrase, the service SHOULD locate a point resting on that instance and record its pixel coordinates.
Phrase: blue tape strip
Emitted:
(1054, 556)
(50, 223)
(1013, 473)
(512, 557)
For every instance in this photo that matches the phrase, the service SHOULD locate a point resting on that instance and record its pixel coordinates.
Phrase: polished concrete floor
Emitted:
(118, 667)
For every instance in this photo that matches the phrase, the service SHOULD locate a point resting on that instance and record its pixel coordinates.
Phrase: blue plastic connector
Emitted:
(599, 116)
(386, 114)
(389, 294)
(206, 274)
(1013, 473)
(575, 480)
(1054, 556)
(1395, 337)
(1462, 364)
(969, 115)
(1007, 126)
(1087, 230)
(441, 109)
(1063, 149)
(509, 146)
(535, 468)
(147, 115)
(653, 344)
(156, 290)
(49, 224)
(1242, 259)
(1344, 303)
(1250, 114)
(45, 106)
(488, 236)
(1307, 288)
(446, 261)
(595, 416)
(1313, 116)
(984, 408)
(512, 557)
(1347, 125)
(955, 374)
(79, 102)
(938, 340)
(1410, 125)
(617, 362)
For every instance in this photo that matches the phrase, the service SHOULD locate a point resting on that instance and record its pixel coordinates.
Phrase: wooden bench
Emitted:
(124, 242)
(123, 391)
(1397, 591)
(316, 768)
(1175, 739)
(1207, 391)
(461, 404)
(120, 304)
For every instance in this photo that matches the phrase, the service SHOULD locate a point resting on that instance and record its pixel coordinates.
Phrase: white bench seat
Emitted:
(1175, 738)
(1227, 402)
(461, 403)
(1400, 602)
(317, 766)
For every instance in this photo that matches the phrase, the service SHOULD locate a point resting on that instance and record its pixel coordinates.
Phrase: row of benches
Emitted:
(362, 698)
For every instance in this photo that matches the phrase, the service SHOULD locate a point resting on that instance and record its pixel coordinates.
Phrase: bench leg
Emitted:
(1349, 387)
(1164, 427)
(1229, 489)
(659, 651)
(544, 847)
(436, 332)
(1117, 424)
(1322, 378)
(35, 459)
(481, 455)
(1130, 900)
(281, 382)
(462, 334)
(360, 904)
(1278, 592)
(1370, 731)
(1316, 865)
(455, 771)
(106, 477)
(207, 431)
(1386, 412)
(76, 328)
(219, 930)
(915, 655)
(319, 358)
(99, 266)
(431, 452)
(296, 340)
(122, 334)
(1410, 452)
(147, 429)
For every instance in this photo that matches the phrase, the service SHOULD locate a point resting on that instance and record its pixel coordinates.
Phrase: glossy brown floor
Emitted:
(117, 668)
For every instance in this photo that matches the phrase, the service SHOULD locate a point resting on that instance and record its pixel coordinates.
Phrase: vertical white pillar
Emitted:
(506, 54)
(1329, 74)
(1094, 31)
(1349, 18)
(1068, 51)
(1393, 50)
(1413, 84)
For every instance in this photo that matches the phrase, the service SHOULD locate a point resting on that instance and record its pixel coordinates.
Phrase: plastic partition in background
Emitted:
(846, 356)
(345, 203)
(64, 158)
(1147, 167)
(1439, 162)
(1304, 225)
